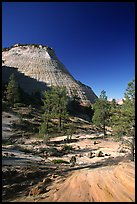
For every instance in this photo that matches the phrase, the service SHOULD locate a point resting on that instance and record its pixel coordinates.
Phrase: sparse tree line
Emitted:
(57, 106)
(121, 118)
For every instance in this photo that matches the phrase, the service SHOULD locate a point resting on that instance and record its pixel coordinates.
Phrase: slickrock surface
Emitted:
(106, 184)
(37, 63)
(109, 184)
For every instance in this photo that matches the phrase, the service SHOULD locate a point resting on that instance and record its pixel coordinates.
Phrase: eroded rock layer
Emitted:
(38, 67)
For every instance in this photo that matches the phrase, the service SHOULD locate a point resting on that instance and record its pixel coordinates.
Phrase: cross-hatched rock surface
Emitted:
(37, 67)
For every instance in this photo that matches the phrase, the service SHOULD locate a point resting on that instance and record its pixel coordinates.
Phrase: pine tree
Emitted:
(114, 110)
(55, 106)
(129, 115)
(74, 103)
(12, 91)
(101, 112)
(48, 107)
(129, 108)
(60, 105)
(117, 121)
(123, 118)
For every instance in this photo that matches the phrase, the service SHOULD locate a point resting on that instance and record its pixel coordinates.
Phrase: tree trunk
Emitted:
(104, 131)
(46, 138)
(60, 122)
(132, 150)
(47, 124)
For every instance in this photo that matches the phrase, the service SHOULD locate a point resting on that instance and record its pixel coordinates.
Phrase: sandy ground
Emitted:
(81, 150)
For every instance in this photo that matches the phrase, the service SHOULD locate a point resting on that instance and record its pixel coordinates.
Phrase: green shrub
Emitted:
(67, 147)
(70, 131)
(100, 154)
(42, 130)
(16, 105)
(7, 142)
(5, 105)
(59, 161)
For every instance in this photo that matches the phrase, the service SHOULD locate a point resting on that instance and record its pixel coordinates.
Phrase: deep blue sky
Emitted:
(95, 41)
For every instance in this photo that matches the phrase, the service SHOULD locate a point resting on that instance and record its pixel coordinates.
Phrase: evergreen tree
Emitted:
(48, 107)
(117, 121)
(101, 112)
(74, 103)
(113, 103)
(129, 108)
(70, 131)
(114, 108)
(60, 105)
(12, 91)
(123, 118)
(55, 106)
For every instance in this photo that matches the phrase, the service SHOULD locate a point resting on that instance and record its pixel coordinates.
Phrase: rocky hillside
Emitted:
(37, 68)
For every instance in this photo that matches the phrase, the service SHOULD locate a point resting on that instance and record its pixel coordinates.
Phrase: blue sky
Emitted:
(95, 41)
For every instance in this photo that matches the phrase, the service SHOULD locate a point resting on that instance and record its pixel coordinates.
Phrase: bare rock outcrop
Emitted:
(108, 184)
(37, 68)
